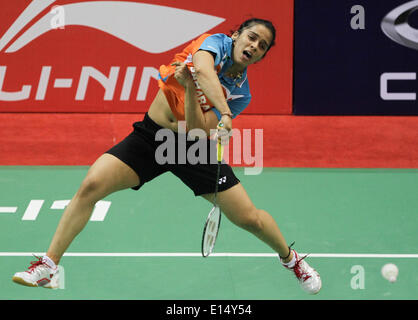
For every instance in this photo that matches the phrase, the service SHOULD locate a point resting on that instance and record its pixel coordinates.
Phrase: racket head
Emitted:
(210, 231)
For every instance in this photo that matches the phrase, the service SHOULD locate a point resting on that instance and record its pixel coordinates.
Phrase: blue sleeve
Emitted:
(215, 44)
(236, 106)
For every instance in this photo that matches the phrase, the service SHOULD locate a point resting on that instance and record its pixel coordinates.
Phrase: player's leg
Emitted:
(107, 175)
(240, 210)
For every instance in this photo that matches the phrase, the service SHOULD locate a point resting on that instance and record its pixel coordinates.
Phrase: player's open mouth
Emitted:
(247, 55)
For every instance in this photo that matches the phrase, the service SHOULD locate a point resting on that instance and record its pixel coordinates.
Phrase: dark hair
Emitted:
(254, 21)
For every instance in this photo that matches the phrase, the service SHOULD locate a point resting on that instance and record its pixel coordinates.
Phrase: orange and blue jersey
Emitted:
(236, 91)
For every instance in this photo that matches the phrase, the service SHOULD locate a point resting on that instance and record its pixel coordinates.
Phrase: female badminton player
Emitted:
(204, 85)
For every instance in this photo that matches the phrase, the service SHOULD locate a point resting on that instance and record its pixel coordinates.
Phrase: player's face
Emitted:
(251, 45)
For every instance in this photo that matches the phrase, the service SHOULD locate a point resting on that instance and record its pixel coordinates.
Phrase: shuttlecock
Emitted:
(390, 272)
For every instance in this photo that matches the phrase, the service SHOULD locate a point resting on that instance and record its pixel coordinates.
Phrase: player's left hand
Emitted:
(182, 74)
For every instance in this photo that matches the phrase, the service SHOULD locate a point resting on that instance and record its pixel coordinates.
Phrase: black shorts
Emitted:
(193, 161)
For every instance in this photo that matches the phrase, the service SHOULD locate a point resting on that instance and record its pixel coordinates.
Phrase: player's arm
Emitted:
(208, 80)
(195, 117)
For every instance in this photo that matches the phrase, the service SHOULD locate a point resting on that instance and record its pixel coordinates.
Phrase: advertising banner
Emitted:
(103, 56)
(356, 57)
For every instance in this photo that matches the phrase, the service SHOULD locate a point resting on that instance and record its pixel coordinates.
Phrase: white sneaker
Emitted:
(307, 276)
(39, 274)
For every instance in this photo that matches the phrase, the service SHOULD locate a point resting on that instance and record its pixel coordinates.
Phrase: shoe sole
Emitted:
(27, 284)
(23, 282)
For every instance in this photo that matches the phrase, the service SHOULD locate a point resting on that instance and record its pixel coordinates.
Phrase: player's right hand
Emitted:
(223, 134)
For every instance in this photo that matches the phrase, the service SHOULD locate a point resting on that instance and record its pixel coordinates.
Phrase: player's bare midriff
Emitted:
(161, 114)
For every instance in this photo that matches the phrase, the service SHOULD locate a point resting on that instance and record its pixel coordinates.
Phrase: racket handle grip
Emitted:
(220, 151)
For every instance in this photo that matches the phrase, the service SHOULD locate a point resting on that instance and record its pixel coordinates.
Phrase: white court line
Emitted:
(8, 209)
(33, 209)
(185, 254)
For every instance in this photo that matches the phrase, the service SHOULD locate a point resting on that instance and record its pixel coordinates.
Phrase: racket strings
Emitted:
(211, 229)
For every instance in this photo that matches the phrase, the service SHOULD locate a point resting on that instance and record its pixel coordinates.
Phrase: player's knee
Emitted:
(251, 221)
(90, 189)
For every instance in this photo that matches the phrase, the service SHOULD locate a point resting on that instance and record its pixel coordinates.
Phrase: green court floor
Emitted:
(369, 214)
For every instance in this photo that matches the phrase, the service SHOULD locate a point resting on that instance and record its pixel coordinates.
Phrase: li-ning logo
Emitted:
(133, 22)
(395, 25)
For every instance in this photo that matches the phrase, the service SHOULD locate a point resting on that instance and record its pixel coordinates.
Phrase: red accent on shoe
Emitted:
(34, 264)
(299, 273)
(43, 282)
